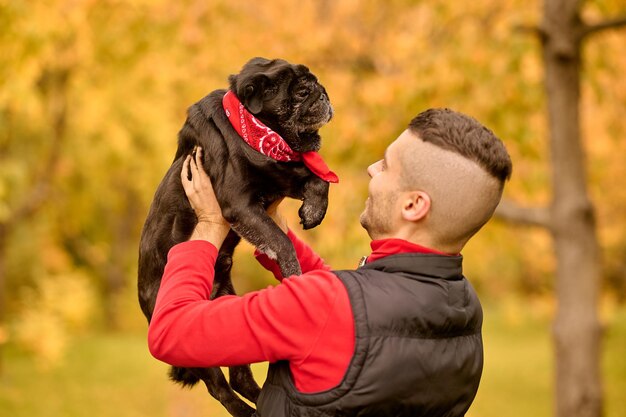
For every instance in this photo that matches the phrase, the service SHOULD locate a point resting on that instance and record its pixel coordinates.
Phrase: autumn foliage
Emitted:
(93, 93)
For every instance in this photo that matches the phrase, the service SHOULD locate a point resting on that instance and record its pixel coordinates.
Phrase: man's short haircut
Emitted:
(464, 135)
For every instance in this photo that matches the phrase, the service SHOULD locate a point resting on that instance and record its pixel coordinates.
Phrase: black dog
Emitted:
(290, 101)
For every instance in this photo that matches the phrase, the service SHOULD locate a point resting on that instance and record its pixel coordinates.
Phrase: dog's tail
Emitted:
(183, 376)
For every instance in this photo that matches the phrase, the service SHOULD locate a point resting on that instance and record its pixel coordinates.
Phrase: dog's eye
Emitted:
(302, 93)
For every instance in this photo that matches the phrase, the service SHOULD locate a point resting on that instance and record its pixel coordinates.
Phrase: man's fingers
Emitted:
(194, 164)
(185, 176)
(193, 176)
(198, 157)
(184, 171)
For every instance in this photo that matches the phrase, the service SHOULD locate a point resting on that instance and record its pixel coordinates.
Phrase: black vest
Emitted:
(418, 348)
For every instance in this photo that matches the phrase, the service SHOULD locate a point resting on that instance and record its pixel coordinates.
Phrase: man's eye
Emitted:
(383, 165)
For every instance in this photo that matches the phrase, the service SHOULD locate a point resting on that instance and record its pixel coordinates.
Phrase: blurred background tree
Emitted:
(571, 218)
(93, 92)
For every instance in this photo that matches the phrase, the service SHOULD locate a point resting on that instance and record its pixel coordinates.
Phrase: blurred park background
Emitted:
(93, 93)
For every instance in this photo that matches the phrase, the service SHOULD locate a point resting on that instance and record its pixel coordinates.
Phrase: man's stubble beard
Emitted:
(377, 215)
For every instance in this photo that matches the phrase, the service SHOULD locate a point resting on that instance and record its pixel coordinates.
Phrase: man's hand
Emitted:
(211, 225)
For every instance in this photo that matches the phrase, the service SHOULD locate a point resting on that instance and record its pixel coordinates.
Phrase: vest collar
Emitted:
(423, 264)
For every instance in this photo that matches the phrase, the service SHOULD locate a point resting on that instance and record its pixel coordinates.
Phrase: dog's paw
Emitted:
(310, 216)
(290, 268)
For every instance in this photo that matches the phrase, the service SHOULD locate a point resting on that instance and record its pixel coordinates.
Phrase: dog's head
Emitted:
(286, 97)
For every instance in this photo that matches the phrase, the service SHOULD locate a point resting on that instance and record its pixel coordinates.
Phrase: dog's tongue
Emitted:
(269, 143)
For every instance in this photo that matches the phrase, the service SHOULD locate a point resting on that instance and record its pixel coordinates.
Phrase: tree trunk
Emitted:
(576, 330)
(4, 230)
(116, 277)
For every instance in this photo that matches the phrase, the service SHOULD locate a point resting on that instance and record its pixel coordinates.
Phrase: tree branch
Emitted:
(533, 30)
(614, 23)
(32, 203)
(53, 86)
(531, 216)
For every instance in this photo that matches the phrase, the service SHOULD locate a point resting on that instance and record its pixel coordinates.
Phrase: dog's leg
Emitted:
(217, 386)
(242, 381)
(222, 284)
(253, 224)
(315, 203)
(219, 389)
(241, 378)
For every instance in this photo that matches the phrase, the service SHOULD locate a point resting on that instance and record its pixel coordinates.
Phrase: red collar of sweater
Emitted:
(386, 247)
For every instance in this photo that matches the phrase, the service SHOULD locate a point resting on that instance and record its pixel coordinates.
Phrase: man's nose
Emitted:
(373, 169)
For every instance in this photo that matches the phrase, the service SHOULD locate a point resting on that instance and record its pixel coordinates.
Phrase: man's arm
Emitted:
(281, 323)
(188, 329)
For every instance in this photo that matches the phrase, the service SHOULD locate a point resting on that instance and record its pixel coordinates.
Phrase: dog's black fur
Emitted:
(287, 98)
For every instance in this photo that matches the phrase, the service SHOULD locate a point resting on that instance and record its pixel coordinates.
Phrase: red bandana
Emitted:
(268, 142)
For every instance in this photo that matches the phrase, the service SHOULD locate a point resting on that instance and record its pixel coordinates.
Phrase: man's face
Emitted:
(381, 213)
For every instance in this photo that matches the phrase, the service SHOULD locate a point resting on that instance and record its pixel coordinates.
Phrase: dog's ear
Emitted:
(251, 91)
(254, 93)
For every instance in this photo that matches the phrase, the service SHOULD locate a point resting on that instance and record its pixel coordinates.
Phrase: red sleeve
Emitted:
(285, 322)
(309, 260)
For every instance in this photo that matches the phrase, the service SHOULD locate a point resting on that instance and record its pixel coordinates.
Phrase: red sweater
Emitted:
(306, 320)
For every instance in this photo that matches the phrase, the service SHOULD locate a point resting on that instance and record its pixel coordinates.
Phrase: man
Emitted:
(399, 336)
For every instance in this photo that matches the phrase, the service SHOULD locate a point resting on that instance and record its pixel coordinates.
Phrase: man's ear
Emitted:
(415, 205)
(252, 92)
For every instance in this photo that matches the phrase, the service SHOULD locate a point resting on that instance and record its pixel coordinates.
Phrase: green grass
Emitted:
(517, 377)
(114, 375)
(103, 375)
